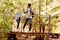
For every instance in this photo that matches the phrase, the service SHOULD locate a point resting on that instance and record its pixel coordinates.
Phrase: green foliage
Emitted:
(55, 9)
(49, 1)
(10, 7)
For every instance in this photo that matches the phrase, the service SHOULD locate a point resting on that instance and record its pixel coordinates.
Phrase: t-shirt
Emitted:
(28, 14)
(18, 15)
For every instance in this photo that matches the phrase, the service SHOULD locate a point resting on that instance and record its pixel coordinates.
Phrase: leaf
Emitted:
(6, 3)
(20, 3)
(49, 1)
(55, 9)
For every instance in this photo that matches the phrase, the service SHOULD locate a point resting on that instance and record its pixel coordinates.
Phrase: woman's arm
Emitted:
(25, 11)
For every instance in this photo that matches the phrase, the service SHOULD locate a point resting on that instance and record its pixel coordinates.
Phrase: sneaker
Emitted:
(29, 31)
(33, 31)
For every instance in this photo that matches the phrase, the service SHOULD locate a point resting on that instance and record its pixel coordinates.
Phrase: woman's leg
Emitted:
(18, 24)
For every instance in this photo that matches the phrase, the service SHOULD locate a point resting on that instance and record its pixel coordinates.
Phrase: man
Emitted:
(29, 14)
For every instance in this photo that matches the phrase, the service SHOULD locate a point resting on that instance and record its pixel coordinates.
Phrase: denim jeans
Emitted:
(18, 22)
(30, 21)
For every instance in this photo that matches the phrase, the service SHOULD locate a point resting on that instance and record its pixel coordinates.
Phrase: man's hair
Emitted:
(29, 4)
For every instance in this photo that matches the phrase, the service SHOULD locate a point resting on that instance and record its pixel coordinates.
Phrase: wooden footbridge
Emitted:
(37, 35)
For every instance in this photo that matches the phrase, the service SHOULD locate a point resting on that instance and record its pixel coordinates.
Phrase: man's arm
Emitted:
(32, 12)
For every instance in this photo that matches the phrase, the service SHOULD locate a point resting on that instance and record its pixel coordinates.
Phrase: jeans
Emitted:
(18, 22)
(30, 21)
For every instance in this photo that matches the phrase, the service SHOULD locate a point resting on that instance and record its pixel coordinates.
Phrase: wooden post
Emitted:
(39, 14)
(49, 27)
(49, 17)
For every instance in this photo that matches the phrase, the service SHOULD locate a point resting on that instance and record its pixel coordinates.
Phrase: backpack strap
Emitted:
(27, 10)
(30, 9)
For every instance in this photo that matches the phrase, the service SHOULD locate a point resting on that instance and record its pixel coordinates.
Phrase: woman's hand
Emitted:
(24, 11)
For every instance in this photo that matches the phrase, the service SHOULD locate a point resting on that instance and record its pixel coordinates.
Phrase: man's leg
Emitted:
(30, 24)
(25, 23)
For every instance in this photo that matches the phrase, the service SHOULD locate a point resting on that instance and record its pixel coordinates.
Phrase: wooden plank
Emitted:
(29, 33)
(34, 33)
